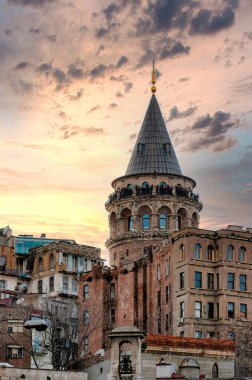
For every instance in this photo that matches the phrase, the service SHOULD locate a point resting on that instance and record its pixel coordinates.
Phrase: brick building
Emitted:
(167, 276)
(15, 340)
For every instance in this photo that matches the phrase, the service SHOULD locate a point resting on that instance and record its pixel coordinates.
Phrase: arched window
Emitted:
(197, 249)
(162, 185)
(230, 253)
(145, 185)
(114, 255)
(242, 254)
(162, 221)
(130, 186)
(215, 371)
(51, 261)
(194, 220)
(40, 264)
(130, 223)
(146, 221)
(182, 252)
(179, 222)
(210, 253)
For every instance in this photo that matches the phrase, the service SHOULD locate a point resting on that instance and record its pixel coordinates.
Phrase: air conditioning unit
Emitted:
(181, 320)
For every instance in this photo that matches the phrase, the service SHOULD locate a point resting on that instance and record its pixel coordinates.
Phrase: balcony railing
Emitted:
(150, 190)
(16, 272)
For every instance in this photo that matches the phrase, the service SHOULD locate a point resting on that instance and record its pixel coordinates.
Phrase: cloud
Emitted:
(127, 86)
(210, 132)
(77, 96)
(24, 87)
(21, 65)
(132, 136)
(208, 21)
(248, 189)
(110, 11)
(34, 30)
(120, 78)
(163, 48)
(122, 61)
(119, 94)
(75, 72)
(101, 32)
(176, 114)
(176, 49)
(31, 3)
(113, 105)
(98, 70)
(74, 130)
(95, 108)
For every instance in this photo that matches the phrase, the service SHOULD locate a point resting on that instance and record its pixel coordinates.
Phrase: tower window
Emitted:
(146, 221)
(162, 221)
(130, 223)
(145, 185)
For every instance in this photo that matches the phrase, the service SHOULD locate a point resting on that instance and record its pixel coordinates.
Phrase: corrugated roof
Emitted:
(153, 151)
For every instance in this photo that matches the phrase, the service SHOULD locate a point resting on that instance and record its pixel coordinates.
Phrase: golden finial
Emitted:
(153, 79)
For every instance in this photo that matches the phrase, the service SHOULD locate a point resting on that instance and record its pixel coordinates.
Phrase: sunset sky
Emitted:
(75, 85)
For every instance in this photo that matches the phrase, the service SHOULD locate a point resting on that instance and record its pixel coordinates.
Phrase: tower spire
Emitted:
(153, 79)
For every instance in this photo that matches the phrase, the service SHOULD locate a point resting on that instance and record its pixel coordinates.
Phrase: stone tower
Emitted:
(153, 198)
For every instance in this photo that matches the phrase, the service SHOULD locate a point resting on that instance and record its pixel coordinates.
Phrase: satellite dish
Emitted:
(23, 288)
(20, 301)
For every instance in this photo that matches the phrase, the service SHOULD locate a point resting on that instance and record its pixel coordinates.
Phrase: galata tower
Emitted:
(153, 198)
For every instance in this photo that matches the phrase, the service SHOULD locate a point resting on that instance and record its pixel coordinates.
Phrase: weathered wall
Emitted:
(33, 374)
(149, 361)
(99, 371)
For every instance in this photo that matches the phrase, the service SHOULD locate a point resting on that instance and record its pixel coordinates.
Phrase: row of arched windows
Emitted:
(41, 263)
(143, 219)
(210, 253)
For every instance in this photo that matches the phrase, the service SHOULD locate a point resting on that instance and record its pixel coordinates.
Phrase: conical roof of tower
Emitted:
(153, 151)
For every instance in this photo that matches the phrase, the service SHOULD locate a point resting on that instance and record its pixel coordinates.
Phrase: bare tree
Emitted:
(62, 344)
(18, 336)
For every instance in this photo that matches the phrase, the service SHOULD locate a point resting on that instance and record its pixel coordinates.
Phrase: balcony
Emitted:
(17, 273)
(138, 191)
(67, 292)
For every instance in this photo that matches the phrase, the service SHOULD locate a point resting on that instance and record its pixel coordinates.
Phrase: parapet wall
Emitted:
(40, 374)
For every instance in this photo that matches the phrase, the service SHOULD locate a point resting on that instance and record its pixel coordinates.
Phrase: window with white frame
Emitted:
(14, 352)
(15, 326)
(2, 284)
(198, 309)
